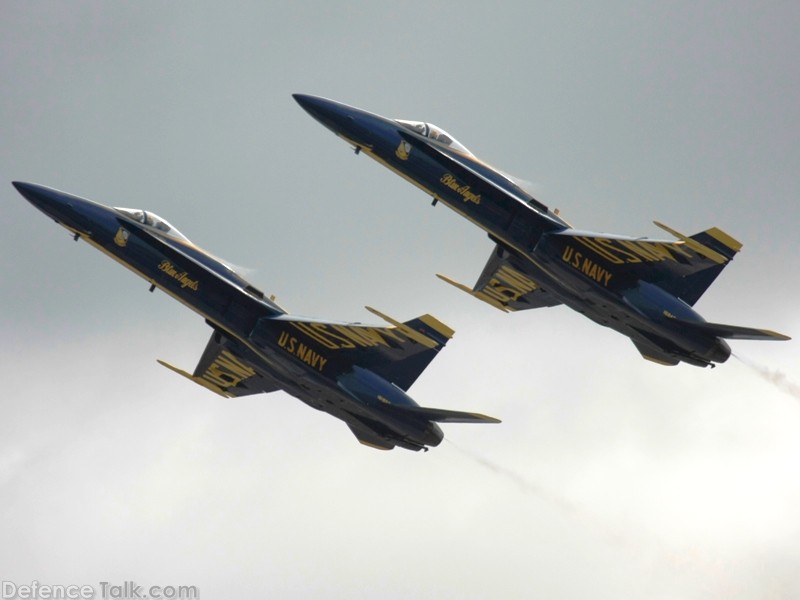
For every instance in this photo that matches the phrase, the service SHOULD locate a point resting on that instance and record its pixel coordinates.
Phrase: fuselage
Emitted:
(166, 260)
(522, 226)
(307, 358)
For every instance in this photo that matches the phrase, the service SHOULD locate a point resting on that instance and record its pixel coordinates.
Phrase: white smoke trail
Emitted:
(524, 484)
(637, 543)
(774, 376)
(689, 565)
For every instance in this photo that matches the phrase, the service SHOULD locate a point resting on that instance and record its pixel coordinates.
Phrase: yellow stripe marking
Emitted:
(198, 380)
(407, 331)
(437, 325)
(724, 238)
(695, 245)
(479, 295)
(516, 279)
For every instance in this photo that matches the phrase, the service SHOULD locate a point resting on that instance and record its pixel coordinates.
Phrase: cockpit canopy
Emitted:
(435, 133)
(152, 220)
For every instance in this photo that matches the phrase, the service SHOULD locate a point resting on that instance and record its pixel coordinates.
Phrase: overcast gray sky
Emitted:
(610, 477)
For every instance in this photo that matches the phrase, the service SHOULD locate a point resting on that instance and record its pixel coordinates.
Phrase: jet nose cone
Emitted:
(355, 125)
(308, 102)
(23, 188)
(322, 109)
(43, 198)
(74, 213)
(336, 116)
(302, 99)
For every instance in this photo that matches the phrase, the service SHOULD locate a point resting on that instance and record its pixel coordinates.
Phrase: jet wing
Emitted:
(440, 415)
(224, 371)
(399, 353)
(504, 285)
(732, 332)
(683, 267)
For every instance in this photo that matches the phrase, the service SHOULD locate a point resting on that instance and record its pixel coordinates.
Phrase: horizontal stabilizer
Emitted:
(408, 331)
(685, 267)
(443, 416)
(720, 241)
(733, 332)
(716, 236)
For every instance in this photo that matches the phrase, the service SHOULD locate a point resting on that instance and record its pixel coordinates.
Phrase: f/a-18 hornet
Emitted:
(357, 373)
(643, 288)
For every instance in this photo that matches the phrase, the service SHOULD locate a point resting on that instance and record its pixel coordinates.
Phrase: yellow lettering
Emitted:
(517, 280)
(661, 251)
(462, 190)
(182, 278)
(374, 336)
(305, 353)
(227, 371)
(501, 293)
(344, 341)
(619, 249)
(282, 339)
(634, 250)
(609, 250)
(223, 379)
(230, 362)
(306, 329)
(322, 330)
(389, 332)
(351, 334)
(594, 245)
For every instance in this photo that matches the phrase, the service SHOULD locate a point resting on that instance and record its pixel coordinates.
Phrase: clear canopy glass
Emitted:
(152, 220)
(431, 131)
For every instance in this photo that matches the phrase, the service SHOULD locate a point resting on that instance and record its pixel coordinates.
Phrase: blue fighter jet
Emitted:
(642, 288)
(357, 373)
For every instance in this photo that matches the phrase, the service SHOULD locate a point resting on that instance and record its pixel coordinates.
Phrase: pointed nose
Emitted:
(319, 108)
(349, 122)
(74, 213)
(333, 115)
(49, 201)
(360, 128)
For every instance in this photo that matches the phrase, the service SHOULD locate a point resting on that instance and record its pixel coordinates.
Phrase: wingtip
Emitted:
(778, 336)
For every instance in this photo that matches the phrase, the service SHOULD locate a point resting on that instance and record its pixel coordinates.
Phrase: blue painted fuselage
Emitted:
(642, 289)
(355, 372)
